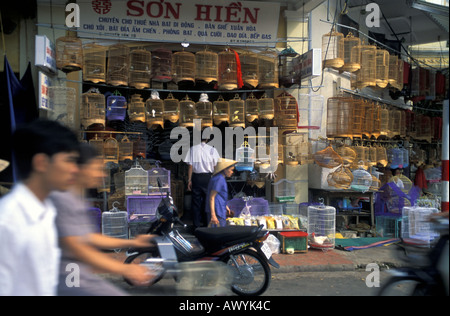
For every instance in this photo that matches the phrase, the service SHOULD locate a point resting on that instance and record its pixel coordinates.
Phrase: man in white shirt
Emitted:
(46, 158)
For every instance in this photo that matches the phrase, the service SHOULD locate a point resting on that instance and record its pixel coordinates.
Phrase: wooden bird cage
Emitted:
(69, 54)
(228, 75)
(333, 50)
(268, 70)
(266, 107)
(221, 111)
(381, 156)
(367, 75)
(341, 178)
(183, 66)
(140, 148)
(400, 67)
(393, 70)
(340, 117)
(94, 63)
(352, 53)
(251, 108)
(136, 181)
(161, 65)
(384, 119)
(362, 157)
(249, 64)
(288, 72)
(347, 154)
(136, 109)
(92, 108)
(359, 111)
(140, 68)
(382, 71)
(116, 107)
(372, 122)
(206, 66)
(327, 158)
(204, 111)
(125, 150)
(410, 123)
(286, 111)
(171, 109)
(423, 127)
(394, 123)
(97, 143)
(237, 112)
(155, 110)
(118, 65)
(187, 112)
(373, 159)
(111, 150)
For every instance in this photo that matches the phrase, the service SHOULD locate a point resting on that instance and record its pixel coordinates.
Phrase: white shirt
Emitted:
(29, 253)
(203, 158)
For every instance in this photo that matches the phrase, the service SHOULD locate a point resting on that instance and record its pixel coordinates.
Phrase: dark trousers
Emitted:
(200, 183)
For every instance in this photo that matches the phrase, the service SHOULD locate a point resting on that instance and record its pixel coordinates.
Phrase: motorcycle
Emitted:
(240, 248)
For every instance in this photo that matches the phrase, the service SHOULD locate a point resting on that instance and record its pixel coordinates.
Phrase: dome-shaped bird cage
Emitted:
(327, 158)
(125, 149)
(92, 108)
(287, 69)
(341, 178)
(187, 112)
(249, 64)
(221, 110)
(140, 68)
(116, 107)
(268, 70)
(237, 112)
(206, 66)
(347, 154)
(118, 65)
(111, 150)
(382, 72)
(352, 54)
(362, 180)
(161, 65)
(94, 63)
(340, 117)
(251, 108)
(69, 54)
(136, 181)
(333, 50)
(155, 110)
(183, 66)
(384, 119)
(204, 111)
(228, 71)
(136, 109)
(266, 107)
(367, 75)
(286, 111)
(393, 70)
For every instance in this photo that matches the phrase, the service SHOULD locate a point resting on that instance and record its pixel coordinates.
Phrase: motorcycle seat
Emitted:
(220, 237)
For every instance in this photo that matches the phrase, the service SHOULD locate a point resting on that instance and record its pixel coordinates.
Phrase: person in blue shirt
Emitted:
(216, 206)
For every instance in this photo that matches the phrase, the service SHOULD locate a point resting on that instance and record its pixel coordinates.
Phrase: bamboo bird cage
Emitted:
(111, 150)
(221, 110)
(268, 70)
(251, 108)
(352, 53)
(183, 66)
(140, 68)
(94, 63)
(204, 111)
(393, 70)
(228, 74)
(69, 54)
(384, 119)
(206, 66)
(161, 65)
(249, 64)
(171, 109)
(187, 112)
(97, 143)
(382, 68)
(118, 65)
(340, 117)
(333, 50)
(266, 107)
(237, 112)
(92, 108)
(136, 109)
(155, 111)
(125, 149)
(286, 111)
(366, 76)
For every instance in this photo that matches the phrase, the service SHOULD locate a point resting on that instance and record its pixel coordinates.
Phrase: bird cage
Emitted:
(327, 158)
(161, 65)
(367, 75)
(251, 108)
(402, 123)
(62, 105)
(183, 66)
(118, 65)
(94, 63)
(373, 159)
(92, 108)
(376, 183)
(221, 111)
(410, 123)
(136, 181)
(347, 154)
(416, 227)
(97, 143)
(116, 107)
(115, 223)
(284, 190)
(393, 70)
(394, 123)
(245, 157)
(339, 117)
(155, 110)
(371, 121)
(286, 111)
(206, 66)
(362, 156)
(228, 71)
(362, 180)
(321, 226)
(352, 54)
(111, 150)
(187, 112)
(171, 109)
(125, 149)
(204, 111)
(333, 50)
(69, 54)
(140, 68)
(400, 67)
(136, 110)
(384, 119)
(287, 70)
(164, 176)
(310, 110)
(268, 70)
(292, 148)
(423, 127)
(249, 64)
(382, 68)
(359, 111)
(140, 148)
(341, 178)
(237, 112)
(382, 158)
(266, 107)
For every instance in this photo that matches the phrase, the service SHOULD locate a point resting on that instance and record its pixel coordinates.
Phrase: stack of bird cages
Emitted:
(164, 176)
(221, 111)
(187, 112)
(416, 226)
(206, 66)
(183, 66)
(228, 73)
(136, 181)
(97, 143)
(204, 111)
(171, 109)
(266, 107)
(341, 178)
(140, 148)
(340, 116)
(118, 65)
(310, 110)
(116, 107)
(382, 62)
(245, 157)
(136, 110)
(125, 149)
(352, 54)
(115, 223)
(333, 50)
(251, 108)
(268, 70)
(92, 108)
(111, 150)
(237, 112)
(287, 70)
(394, 123)
(384, 119)
(249, 64)
(393, 70)
(62, 105)
(69, 54)
(359, 111)
(286, 111)
(321, 226)
(94, 63)
(367, 75)
(140, 68)
(155, 110)
(161, 65)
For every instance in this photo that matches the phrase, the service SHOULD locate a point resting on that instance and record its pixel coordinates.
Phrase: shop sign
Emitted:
(219, 22)
(45, 82)
(309, 64)
(45, 54)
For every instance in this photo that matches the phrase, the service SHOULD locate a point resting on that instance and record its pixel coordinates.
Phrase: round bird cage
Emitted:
(249, 64)
(221, 111)
(183, 66)
(116, 107)
(111, 150)
(206, 66)
(362, 156)
(140, 68)
(352, 54)
(187, 112)
(118, 65)
(384, 119)
(161, 65)
(321, 226)
(204, 111)
(94, 63)
(394, 123)
(171, 109)
(251, 108)
(155, 110)
(382, 158)
(136, 110)
(327, 158)
(382, 62)
(92, 108)
(393, 70)
(266, 107)
(359, 111)
(367, 75)
(286, 111)
(400, 67)
(340, 116)
(373, 159)
(372, 123)
(333, 50)
(125, 149)
(237, 112)
(69, 54)
(362, 180)
(347, 154)
(228, 74)
(341, 178)
(268, 70)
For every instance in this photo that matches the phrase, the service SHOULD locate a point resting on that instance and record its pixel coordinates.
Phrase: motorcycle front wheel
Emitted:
(251, 273)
